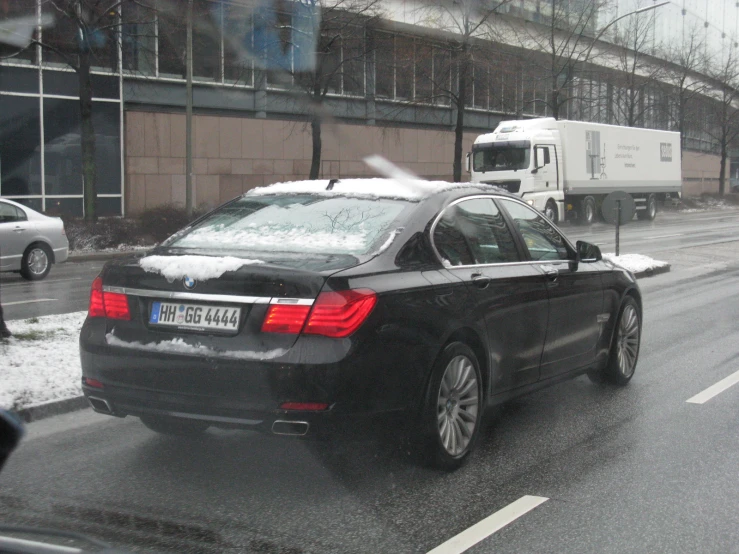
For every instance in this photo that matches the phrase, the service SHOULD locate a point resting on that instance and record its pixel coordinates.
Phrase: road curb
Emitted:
(53, 408)
(653, 271)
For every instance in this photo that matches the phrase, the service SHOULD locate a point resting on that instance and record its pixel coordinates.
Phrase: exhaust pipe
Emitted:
(100, 405)
(294, 428)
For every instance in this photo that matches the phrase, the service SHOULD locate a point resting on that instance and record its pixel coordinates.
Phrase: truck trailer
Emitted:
(567, 168)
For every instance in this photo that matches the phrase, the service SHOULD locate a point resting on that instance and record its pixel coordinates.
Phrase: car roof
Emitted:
(410, 189)
(16, 204)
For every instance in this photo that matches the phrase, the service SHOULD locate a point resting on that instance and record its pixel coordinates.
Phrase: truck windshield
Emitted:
(501, 158)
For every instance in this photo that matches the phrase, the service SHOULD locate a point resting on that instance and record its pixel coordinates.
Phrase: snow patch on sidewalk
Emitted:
(41, 362)
(200, 268)
(635, 263)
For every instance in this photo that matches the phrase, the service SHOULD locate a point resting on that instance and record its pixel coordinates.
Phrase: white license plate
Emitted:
(195, 316)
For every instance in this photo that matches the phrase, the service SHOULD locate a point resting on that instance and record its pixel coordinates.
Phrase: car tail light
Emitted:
(339, 314)
(113, 305)
(304, 406)
(285, 318)
(97, 307)
(93, 383)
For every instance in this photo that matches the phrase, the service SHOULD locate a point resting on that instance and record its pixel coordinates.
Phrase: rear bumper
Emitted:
(366, 387)
(324, 425)
(61, 254)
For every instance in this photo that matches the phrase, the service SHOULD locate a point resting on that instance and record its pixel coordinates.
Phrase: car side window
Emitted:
(542, 240)
(9, 214)
(474, 232)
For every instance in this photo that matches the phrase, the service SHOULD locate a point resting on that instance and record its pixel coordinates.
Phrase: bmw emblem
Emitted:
(189, 282)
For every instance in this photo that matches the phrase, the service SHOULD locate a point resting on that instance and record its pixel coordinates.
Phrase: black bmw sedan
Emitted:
(320, 308)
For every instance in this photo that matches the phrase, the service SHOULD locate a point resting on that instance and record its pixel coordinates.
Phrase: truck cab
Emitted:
(524, 158)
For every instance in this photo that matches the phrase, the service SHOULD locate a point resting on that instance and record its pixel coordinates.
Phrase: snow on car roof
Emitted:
(405, 189)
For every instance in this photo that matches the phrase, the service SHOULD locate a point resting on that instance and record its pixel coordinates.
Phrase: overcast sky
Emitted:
(669, 23)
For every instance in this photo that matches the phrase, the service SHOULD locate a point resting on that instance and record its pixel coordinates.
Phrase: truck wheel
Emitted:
(651, 212)
(587, 211)
(550, 210)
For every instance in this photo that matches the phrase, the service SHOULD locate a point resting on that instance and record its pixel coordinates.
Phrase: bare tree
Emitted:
(318, 48)
(637, 74)
(723, 124)
(467, 25)
(565, 35)
(86, 34)
(686, 58)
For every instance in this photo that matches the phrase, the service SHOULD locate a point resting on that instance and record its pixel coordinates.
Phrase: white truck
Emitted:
(566, 168)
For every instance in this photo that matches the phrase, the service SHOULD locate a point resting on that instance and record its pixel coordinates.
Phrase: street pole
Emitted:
(188, 115)
(4, 331)
(618, 226)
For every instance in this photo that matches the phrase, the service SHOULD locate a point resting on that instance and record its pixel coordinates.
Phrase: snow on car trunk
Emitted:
(41, 362)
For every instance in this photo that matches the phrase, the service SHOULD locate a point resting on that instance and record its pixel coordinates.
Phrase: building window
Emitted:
(384, 65)
(354, 53)
(238, 44)
(206, 40)
(442, 75)
(404, 67)
(424, 72)
(20, 158)
(139, 36)
(171, 40)
(11, 9)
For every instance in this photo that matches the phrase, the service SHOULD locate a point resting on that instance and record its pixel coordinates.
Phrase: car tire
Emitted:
(625, 344)
(175, 426)
(651, 212)
(588, 211)
(550, 210)
(451, 415)
(36, 262)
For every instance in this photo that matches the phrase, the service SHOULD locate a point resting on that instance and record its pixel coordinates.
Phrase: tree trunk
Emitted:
(555, 103)
(315, 163)
(89, 173)
(461, 105)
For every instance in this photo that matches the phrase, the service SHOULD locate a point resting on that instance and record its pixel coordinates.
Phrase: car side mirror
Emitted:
(588, 253)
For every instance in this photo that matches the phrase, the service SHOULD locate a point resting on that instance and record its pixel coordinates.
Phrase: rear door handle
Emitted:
(480, 281)
(19, 229)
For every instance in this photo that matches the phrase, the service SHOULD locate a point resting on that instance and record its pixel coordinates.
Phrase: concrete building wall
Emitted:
(701, 172)
(233, 154)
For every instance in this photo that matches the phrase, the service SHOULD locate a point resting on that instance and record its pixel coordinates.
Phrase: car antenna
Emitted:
(331, 184)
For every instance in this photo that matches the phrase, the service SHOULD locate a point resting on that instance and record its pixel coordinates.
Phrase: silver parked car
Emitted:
(29, 241)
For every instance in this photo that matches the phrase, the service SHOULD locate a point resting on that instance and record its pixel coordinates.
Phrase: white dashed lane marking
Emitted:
(491, 524)
(29, 301)
(713, 390)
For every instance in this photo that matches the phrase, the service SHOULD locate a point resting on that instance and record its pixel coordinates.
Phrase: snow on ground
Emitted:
(41, 362)
(195, 267)
(635, 262)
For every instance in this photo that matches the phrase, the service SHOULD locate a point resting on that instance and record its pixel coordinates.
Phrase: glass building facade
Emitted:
(40, 150)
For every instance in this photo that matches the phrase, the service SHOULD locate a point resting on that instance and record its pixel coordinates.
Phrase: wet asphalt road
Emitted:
(635, 469)
(66, 289)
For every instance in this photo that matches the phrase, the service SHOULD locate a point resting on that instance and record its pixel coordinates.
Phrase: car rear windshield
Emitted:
(296, 223)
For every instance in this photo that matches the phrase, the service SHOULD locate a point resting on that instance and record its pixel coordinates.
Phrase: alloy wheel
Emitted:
(627, 345)
(38, 261)
(458, 405)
